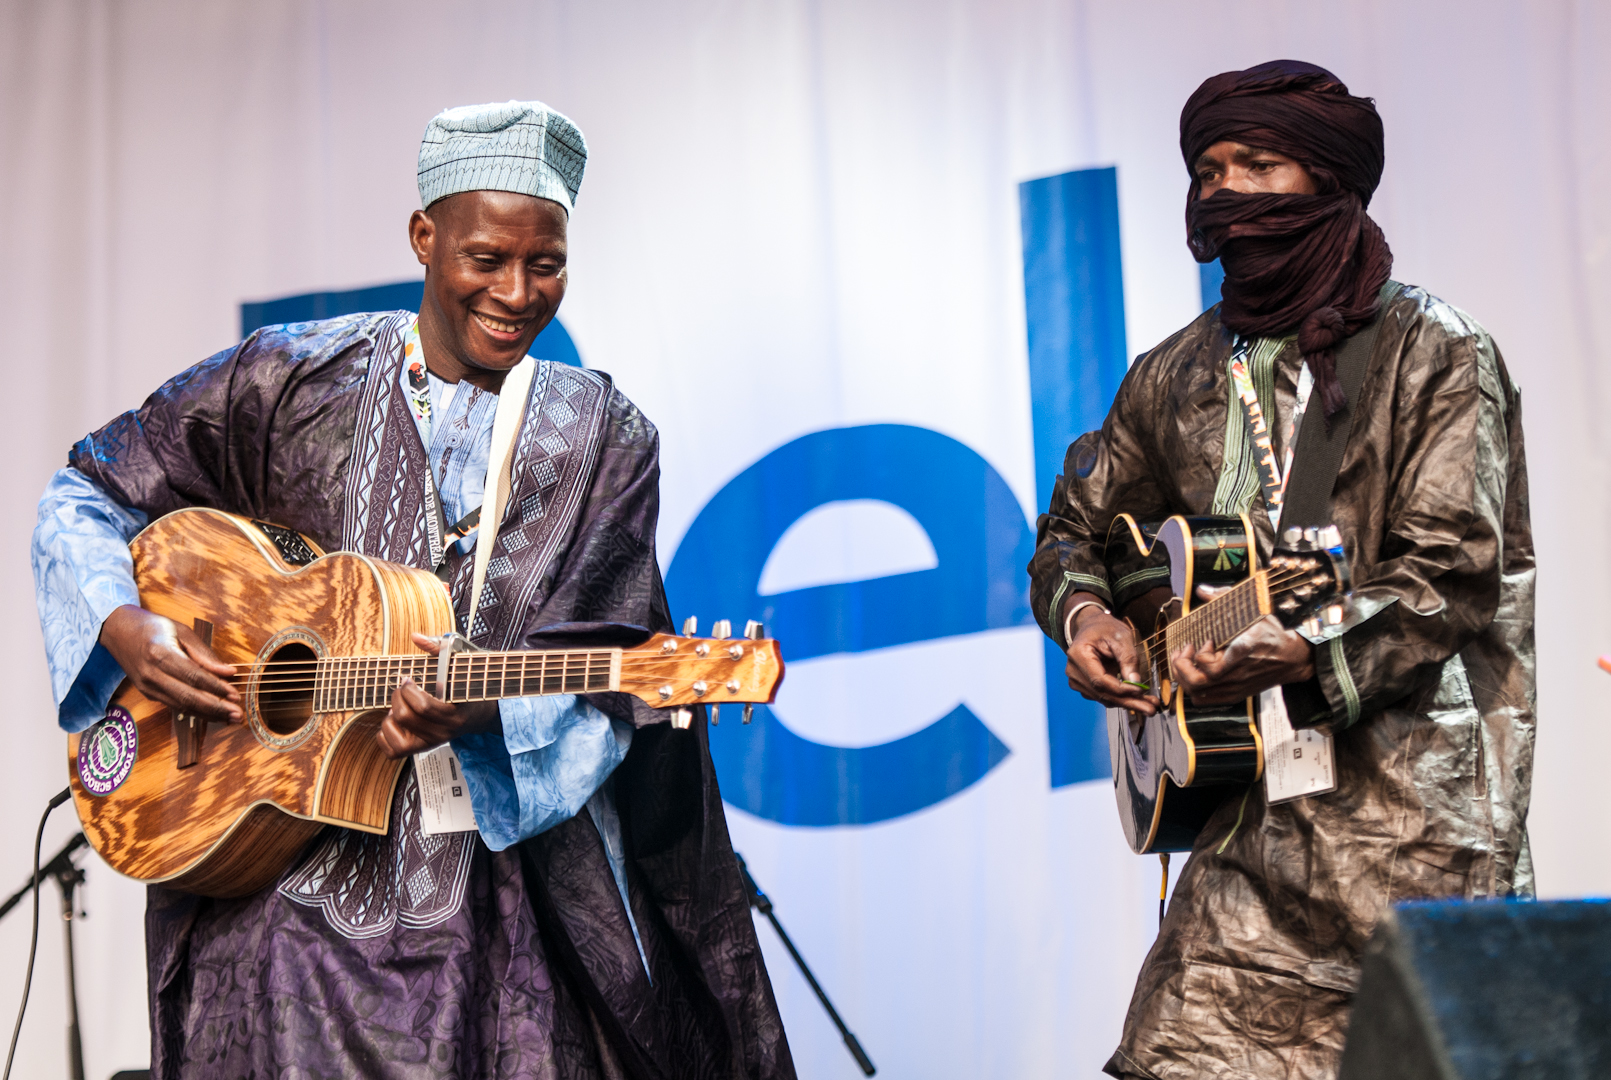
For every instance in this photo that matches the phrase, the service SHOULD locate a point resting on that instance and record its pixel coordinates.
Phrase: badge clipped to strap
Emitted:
(444, 796)
(1297, 762)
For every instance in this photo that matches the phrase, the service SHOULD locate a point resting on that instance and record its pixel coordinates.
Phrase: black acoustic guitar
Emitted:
(1170, 771)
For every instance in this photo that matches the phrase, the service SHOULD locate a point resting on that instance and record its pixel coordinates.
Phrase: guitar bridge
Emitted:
(189, 732)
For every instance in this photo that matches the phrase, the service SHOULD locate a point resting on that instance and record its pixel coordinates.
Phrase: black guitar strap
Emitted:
(1320, 451)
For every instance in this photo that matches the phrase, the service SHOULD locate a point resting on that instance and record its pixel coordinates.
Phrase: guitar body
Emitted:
(229, 824)
(1171, 771)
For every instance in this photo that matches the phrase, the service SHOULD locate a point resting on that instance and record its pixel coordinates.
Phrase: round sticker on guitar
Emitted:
(106, 752)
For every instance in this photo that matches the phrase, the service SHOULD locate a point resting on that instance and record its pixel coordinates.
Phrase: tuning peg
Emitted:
(749, 712)
(1291, 535)
(682, 718)
(721, 628)
(755, 632)
(690, 626)
(1331, 537)
(715, 714)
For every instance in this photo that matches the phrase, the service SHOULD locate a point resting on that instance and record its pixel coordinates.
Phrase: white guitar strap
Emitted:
(444, 796)
(505, 429)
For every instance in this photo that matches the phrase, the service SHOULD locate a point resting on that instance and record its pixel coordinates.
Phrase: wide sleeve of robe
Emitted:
(207, 436)
(1447, 525)
(610, 571)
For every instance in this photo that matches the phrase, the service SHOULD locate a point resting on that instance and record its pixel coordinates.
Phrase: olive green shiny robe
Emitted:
(1430, 686)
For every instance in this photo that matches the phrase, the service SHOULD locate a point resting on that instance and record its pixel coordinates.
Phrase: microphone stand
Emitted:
(762, 903)
(68, 878)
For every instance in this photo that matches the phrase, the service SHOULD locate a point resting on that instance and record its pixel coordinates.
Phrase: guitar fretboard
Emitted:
(1213, 623)
(352, 683)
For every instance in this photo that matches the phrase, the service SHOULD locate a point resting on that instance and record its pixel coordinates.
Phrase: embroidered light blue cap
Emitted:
(520, 146)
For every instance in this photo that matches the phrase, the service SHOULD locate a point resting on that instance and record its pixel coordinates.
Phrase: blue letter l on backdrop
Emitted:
(1074, 307)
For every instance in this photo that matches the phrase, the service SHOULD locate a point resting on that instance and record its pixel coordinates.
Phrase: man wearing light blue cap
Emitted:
(594, 924)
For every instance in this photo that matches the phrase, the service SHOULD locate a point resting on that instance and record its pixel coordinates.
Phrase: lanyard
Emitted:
(1273, 475)
(440, 535)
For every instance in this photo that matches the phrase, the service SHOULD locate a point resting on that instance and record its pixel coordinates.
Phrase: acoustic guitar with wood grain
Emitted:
(1170, 770)
(319, 642)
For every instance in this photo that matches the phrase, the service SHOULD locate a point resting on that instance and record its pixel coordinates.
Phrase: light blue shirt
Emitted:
(555, 755)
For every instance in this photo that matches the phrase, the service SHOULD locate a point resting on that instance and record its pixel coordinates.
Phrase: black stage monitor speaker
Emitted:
(1485, 991)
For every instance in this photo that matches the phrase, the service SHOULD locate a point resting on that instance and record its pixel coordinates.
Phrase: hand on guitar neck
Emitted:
(1266, 654)
(170, 663)
(1103, 663)
(417, 721)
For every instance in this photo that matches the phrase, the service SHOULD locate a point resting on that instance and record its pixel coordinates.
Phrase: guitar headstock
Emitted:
(671, 671)
(1308, 578)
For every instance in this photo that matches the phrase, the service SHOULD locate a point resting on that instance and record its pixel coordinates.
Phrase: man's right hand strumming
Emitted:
(1102, 664)
(169, 663)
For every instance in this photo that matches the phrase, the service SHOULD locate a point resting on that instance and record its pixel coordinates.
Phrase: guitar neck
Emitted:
(1219, 620)
(355, 683)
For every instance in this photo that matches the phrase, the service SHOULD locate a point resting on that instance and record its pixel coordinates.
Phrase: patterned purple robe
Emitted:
(409, 955)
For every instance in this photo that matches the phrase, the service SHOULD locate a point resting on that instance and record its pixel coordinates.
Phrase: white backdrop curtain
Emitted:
(799, 216)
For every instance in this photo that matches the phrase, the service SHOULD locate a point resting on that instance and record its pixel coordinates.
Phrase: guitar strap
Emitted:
(500, 462)
(445, 805)
(1302, 763)
(1319, 455)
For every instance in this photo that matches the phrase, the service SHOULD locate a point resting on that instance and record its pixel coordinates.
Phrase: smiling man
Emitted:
(595, 925)
(1427, 687)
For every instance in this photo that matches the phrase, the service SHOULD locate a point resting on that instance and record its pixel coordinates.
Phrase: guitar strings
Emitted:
(304, 676)
(550, 654)
(1274, 583)
(418, 657)
(1193, 621)
(389, 663)
(292, 686)
(296, 675)
(275, 678)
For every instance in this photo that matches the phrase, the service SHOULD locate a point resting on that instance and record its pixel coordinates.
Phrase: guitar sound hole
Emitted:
(285, 692)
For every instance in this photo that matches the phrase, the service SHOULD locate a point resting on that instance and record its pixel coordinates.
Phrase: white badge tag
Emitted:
(1296, 763)
(444, 796)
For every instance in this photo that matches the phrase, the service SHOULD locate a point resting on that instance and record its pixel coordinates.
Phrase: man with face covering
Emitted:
(1427, 686)
(596, 925)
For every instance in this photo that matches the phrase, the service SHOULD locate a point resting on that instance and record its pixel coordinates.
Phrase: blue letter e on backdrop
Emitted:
(981, 544)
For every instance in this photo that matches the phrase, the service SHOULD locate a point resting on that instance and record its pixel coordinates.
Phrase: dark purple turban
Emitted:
(1311, 263)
